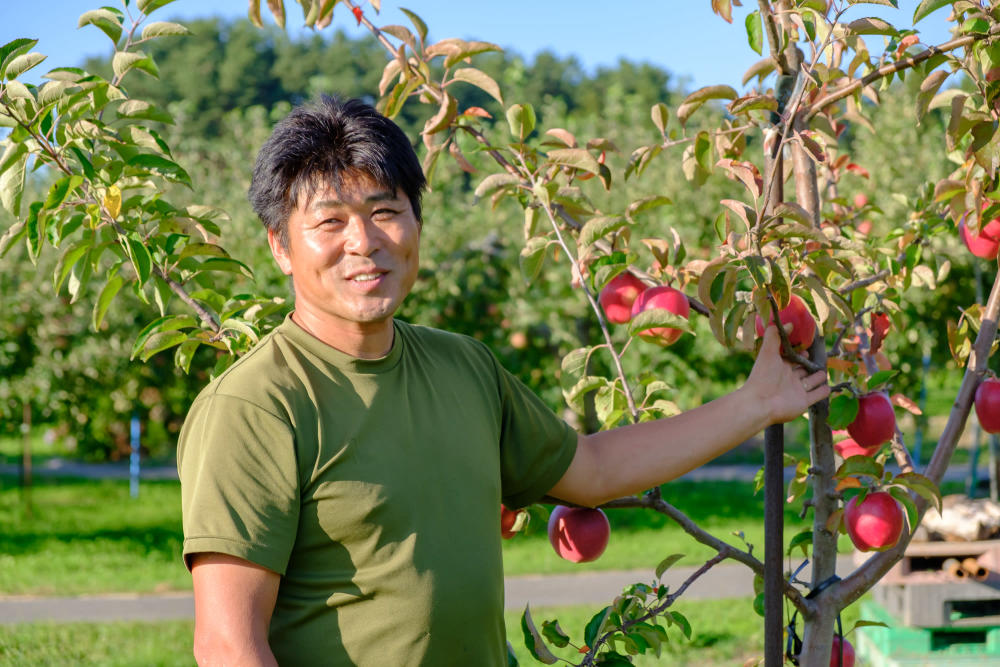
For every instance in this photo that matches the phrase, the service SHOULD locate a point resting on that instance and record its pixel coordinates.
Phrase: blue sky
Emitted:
(682, 36)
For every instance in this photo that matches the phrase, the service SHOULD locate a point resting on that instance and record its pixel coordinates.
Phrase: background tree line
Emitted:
(228, 82)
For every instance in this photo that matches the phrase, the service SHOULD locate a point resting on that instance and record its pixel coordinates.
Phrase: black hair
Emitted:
(321, 143)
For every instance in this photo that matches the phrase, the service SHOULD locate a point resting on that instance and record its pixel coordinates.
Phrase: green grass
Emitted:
(724, 632)
(119, 644)
(86, 536)
(126, 544)
(90, 537)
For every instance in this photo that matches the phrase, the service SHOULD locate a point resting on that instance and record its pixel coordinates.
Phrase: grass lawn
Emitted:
(123, 644)
(86, 536)
(724, 632)
(126, 544)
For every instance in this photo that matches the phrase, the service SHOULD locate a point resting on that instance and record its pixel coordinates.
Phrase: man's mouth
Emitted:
(365, 277)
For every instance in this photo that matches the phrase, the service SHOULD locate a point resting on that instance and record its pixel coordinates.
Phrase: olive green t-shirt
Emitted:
(373, 487)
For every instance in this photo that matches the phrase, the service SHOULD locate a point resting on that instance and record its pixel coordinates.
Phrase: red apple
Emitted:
(860, 200)
(874, 524)
(986, 244)
(618, 296)
(666, 298)
(988, 405)
(848, 653)
(848, 448)
(797, 314)
(876, 421)
(578, 534)
(508, 518)
(864, 227)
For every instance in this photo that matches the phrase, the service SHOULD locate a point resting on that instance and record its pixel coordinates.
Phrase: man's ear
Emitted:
(280, 253)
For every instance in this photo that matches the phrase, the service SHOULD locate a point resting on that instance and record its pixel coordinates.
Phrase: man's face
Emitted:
(352, 255)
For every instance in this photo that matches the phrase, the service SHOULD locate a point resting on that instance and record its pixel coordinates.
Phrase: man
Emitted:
(342, 481)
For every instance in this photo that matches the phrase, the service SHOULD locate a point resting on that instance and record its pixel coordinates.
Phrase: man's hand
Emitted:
(784, 388)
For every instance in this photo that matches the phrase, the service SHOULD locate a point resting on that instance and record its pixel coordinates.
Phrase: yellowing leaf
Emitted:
(113, 201)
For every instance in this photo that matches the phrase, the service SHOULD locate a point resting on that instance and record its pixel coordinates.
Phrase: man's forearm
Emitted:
(629, 459)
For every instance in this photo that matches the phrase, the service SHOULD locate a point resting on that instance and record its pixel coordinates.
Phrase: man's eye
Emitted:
(383, 213)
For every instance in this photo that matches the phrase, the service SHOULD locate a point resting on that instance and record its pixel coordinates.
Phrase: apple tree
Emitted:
(790, 244)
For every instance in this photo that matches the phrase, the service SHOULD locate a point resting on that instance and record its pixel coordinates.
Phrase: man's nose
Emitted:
(361, 236)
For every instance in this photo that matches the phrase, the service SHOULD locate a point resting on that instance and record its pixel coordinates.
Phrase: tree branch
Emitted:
(898, 66)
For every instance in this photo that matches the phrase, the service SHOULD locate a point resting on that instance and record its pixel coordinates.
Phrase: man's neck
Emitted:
(362, 341)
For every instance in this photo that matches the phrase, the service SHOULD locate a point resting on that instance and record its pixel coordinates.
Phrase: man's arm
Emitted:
(233, 602)
(632, 458)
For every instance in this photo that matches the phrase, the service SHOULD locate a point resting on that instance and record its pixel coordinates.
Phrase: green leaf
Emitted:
(533, 640)
(598, 227)
(106, 20)
(418, 23)
(142, 110)
(532, 258)
(555, 634)
(66, 262)
(185, 354)
(860, 465)
(234, 324)
(976, 25)
(755, 31)
(801, 540)
(717, 92)
(885, 3)
(60, 189)
(124, 61)
(479, 79)
(12, 185)
(226, 264)
(521, 119)
(160, 325)
(164, 29)
(660, 115)
(906, 501)
(105, 298)
(923, 486)
(682, 621)
(843, 410)
(871, 26)
(656, 318)
(578, 158)
(161, 341)
(162, 165)
(880, 378)
(666, 564)
(758, 604)
(594, 625)
(646, 204)
(12, 49)
(495, 182)
(13, 234)
(927, 6)
(208, 249)
(149, 6)
(141, 259)
(23, 63)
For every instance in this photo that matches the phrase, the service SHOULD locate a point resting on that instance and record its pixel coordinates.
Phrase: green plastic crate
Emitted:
(897, 646)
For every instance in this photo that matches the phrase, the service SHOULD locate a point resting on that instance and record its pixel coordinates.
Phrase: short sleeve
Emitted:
(239, 482)
(536, 446)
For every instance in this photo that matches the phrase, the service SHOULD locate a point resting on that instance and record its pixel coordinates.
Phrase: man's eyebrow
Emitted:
(332, 202)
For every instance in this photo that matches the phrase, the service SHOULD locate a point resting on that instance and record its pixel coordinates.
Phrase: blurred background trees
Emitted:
(228, 82)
